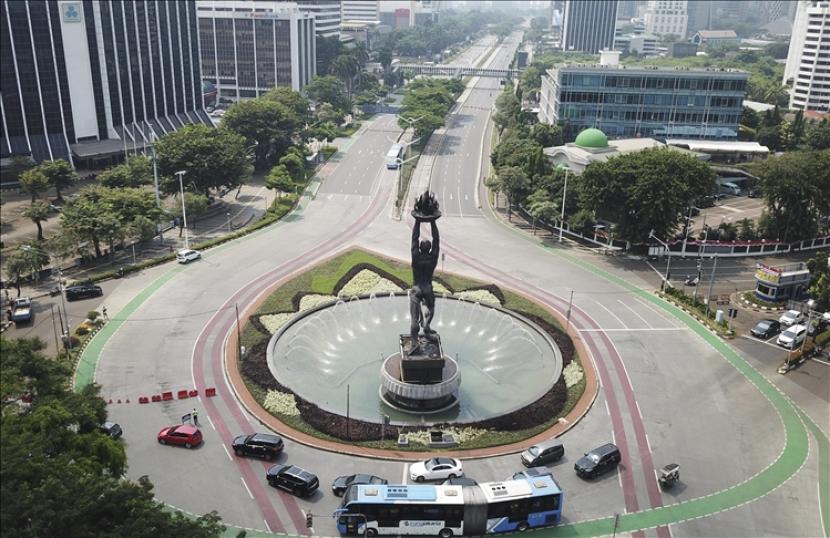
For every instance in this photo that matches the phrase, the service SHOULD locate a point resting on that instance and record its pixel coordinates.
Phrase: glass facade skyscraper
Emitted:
(92, 78)
(627, 101)
(588, 25)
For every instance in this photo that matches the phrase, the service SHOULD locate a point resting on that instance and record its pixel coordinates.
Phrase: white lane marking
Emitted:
(405, 473)
(211, 422)
(645, 304)
(226, 452)
(733, 209)
(345, 197)
(767, 343)
(820, 361)
(612, 314)
(466, 197)
(607, 411)
(267, 526)
(648, 444)
(450, 196)
(635, 313)
(251, 495)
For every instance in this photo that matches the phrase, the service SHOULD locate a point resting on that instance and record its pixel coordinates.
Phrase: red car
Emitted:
(183, 434)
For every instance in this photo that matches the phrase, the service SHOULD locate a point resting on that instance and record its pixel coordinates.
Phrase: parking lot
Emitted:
(729, 209)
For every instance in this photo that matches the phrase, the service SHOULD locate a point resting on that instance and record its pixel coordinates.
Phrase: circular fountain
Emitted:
(345, 347)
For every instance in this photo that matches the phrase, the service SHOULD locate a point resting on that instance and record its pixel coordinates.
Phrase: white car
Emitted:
(435, 469)
(791, 317)
(792, 337)
(187, 255)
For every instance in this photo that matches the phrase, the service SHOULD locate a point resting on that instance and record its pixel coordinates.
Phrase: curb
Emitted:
(758, 308)
(252, 406)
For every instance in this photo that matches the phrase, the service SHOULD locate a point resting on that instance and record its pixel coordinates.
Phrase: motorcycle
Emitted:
(669, 475)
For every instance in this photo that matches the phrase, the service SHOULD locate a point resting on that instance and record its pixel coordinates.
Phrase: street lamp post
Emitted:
(688, 227)
(564, 167)
(810, 304)
(666, 281)
(156, 184)
(180, 175)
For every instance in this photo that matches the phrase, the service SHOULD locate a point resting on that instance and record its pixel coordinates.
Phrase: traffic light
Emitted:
(309, 520)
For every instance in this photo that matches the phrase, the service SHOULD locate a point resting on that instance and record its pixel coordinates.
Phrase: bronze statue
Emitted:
(424, 260)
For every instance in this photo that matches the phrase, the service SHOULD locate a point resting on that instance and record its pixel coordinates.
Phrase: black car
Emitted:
(533, 472)
(292, 479)
(766, 328)
(342, 483)
(83, 291)
(262, 445)
(544, 452)
(459, 481)
(817, 326)
(112, 429)
(598, 461)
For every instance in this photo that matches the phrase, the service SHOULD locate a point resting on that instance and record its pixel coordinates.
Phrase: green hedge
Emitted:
(699, 308)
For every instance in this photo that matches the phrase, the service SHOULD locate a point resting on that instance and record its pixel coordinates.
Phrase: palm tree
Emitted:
(345, 68)
(38, 212)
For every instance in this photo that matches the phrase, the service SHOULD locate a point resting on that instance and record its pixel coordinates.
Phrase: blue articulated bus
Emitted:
(493, 507)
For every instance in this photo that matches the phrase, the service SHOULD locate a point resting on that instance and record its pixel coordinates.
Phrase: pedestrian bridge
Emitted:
(457, 71)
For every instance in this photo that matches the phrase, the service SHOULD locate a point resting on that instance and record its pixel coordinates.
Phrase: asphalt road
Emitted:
(667, 395)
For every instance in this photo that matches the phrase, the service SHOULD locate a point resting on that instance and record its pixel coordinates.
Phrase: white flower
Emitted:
(460, 434)
(573, 374)
(367, 281)
(314, 300)
(479, 296)
(273, 322)
(281, 403)
(439, 288)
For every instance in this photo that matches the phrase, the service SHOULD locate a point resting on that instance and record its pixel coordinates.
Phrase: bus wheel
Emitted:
(523, 526)
(371, 533)
(445, 533)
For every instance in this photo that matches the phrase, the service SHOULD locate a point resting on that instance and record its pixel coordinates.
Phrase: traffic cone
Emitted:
(110, 401)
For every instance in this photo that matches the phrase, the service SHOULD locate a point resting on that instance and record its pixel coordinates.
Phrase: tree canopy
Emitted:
(427, 102)
(796, 186)
(211, 158)
(137, 171)
(59, 174)
(62, 476)
(644, 191)
(328, 89)
(265, 122)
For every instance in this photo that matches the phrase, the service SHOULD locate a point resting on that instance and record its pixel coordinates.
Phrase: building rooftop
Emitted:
(647, 68)
(718, 146)
(577, 156)
(718, 34)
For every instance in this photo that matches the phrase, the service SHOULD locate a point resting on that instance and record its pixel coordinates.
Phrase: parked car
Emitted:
(112, 429)
(261, 445)
(792, 337)
(533, 472)
(755, 192)
(791, 317)
(730, 188)
(765, 328)
(83, 291)
(292, 479)
(342, 483)
(817, 326)
(187, 255)
(545, 452)
(691, 280)
(598, 461)
(459, 481)
(435, 469)
(183, 435)
(21, 311)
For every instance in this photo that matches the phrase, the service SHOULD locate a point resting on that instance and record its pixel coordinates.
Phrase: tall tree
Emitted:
(644, 191)
(328, 89)
(137, 171)
(796, 186)
(296, 104)
(264, 122)
(53, 452)
(212, 158)
(37, 213)
(514, 184)
(820, 281)
(818, 135)
(60, 175)
(34, 181)
(279, 179)
(345, 67)
(23, 261)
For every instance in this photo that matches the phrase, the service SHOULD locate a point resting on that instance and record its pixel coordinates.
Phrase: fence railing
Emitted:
(598, 238)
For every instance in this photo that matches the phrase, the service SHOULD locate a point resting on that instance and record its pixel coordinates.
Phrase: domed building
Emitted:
(592, 145)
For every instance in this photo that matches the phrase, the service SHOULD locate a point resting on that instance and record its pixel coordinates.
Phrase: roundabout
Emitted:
(667, 389)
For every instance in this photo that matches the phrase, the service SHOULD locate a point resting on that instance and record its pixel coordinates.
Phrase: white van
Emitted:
(730, 188)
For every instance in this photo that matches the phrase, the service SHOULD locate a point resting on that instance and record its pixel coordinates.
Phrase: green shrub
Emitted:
(92, 315)
(82, 330)
(822, 338)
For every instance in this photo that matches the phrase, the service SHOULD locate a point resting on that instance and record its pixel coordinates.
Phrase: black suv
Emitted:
(598, 461)
(83, 291)
(545, 452)
(263, 445)
(112, 429)
(293, 479)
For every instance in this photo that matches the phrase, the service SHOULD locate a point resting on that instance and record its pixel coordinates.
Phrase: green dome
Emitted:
(592, 138)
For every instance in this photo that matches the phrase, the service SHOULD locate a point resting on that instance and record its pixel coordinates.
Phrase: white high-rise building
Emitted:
(326, 15)
(359, 10)
(808, 61)
(249, 47)
(667, 17)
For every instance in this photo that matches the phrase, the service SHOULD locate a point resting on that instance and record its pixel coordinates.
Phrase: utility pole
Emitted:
(570, 304)
(697, 282)
(238, 333)
(348, 420)
(711, 283)
(55, 329)
(181, 174)
(156, 183)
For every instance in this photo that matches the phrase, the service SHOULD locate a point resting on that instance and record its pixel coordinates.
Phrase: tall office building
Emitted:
(359, 10)
(326, 15)
(86, 80)
(249, 47)
(667, 17)
(588, 25)
(701, 13)
(808, 60)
